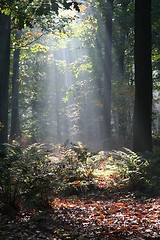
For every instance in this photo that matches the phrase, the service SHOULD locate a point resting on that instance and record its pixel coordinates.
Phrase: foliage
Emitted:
(31, 176)
(26, 13)
(73, 172)
(133, 167)
(11, 168)
(1, 126)
(38, 177)
(153, 171)
(76, 211)
(79, 77)
(24, 175)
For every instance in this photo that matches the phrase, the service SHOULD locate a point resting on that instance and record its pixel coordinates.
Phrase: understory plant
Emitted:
(24, 175)
(153, 171)
(132, 166)
(31, 177)
(73, 172)
(11, 174)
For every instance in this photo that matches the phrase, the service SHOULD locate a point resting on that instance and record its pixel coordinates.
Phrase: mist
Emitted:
(77, 82)
(64, 87)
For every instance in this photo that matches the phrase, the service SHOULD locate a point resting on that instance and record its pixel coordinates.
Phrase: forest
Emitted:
(79, 119)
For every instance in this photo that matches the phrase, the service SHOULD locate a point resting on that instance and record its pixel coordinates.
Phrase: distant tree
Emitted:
(108, 72)
(122, 126)
(22, 13)
(4, 75)
(122, 101)
(15, 122)
(142, 130)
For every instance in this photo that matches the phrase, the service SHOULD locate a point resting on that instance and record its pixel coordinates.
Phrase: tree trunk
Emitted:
(4, 75)
(142, 126)
(122, 125)
(122, 115)
(15, 123)
(108, 73)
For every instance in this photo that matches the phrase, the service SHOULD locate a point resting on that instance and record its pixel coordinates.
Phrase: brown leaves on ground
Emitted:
(102, 209)
(105, 219)
(82, 218)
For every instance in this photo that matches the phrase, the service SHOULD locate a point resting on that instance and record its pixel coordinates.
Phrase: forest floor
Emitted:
(87, 218)
(106, 210)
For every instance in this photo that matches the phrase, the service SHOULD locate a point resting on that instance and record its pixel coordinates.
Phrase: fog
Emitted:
(62, 88)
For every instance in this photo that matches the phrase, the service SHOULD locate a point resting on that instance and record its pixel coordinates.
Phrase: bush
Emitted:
(30, 177)
(133, 167)
(37, 176)
(154, 171)
(11, 171)
(73, 172)
(24, 176)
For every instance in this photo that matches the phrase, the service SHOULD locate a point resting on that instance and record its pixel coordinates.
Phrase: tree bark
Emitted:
(4, 75)
(122, 115)
(122, 125)
(108, 73)
(15, 123)
(142, 126)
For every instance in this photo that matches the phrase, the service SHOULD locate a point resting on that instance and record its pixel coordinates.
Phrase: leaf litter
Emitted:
(83, 218)
(104, 211)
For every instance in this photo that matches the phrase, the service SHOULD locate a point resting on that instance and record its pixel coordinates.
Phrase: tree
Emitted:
(122, 65)
(142, 126)
(108, 72)
(4, 75)
(15, 123)
(22, 13)
(122, 126)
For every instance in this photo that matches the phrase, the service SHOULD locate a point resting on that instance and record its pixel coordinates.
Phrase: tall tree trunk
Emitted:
(4, 75)
(122, 115)
(15, 123)
(122, 125)
(142, 127)
(108, 73)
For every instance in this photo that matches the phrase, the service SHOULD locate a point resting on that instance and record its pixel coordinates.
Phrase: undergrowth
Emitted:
(32, 176)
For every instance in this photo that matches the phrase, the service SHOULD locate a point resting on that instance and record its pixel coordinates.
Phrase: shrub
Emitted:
(133, 167)
(11, 171)
(24, 175)
(73, 171)
(37, 176)
(153, 171)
